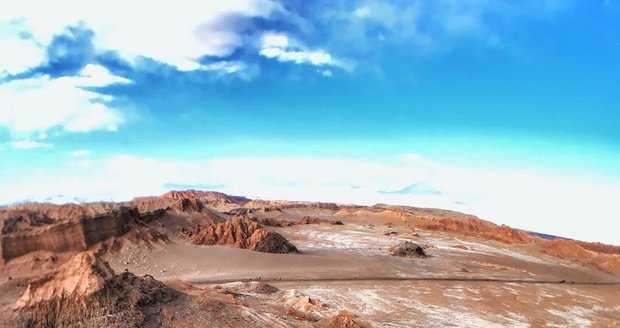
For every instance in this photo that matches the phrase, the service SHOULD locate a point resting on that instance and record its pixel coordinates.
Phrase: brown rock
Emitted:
(69, 234)
(287, 223)
(343, 319)
(466, 226)
(564, 248)
(241, 232)
(508, 235)
(85, 291)
(208, 196)
(407, 249)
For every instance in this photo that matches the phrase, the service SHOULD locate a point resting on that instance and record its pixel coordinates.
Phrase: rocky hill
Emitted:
(240, 232)
(86, 292)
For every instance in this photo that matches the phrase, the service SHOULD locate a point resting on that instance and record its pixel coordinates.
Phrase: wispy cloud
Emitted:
(282, 48)
(29, 144)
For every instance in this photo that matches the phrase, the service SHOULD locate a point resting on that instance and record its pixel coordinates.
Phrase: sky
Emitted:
(503, 109)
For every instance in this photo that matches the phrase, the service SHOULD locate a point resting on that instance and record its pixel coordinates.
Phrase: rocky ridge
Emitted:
(242, 232)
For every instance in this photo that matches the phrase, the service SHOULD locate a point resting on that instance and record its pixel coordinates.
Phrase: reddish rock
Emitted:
(466, 226)
(565, 248)
(508, 235)
(271, 222)
(85, 291)
(72, 234)
(343, 319)
(241, 232)
(208, 196)
(600, 247)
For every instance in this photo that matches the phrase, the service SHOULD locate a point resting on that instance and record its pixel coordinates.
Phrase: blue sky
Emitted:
(506, 110)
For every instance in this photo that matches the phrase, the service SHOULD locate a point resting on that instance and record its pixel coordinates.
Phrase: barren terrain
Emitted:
(193, 258)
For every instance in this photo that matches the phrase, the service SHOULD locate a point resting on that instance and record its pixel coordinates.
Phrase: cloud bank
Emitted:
(543, 202)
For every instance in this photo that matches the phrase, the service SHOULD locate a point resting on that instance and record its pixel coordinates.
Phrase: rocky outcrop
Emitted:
(19, 220)
(574, 251)
(86, 292)
(466, 226)
(72, 234)
(407, 249)
(508, 235)
(207, 196)
(271, 222)
(241, 232)
(66, 211)
(313, 205)
(343, 319)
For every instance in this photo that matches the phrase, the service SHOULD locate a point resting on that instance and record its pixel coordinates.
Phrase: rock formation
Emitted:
(565, 248)
(23, 234)
(466, 226)
(271, 222)
(407, 249)
(208, 196)
(342, 319)
(241, 232)
(86, 292)
(508, 235)
(574, 251)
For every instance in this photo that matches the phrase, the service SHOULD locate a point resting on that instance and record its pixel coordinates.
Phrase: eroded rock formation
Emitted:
(23, 234)
(241, 232)
(271, 222)
(86, 292)
(208, 196)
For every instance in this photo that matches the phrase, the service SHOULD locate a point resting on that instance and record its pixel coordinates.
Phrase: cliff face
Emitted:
(75, 234)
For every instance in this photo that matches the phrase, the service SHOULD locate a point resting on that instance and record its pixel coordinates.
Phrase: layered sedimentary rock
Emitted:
(86, 292)
(63, 235)
(241, 232)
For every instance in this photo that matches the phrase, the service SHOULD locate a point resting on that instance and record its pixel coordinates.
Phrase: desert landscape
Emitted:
(207, 259)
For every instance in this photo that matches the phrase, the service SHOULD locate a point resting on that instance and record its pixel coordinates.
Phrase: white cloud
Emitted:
(326, 73)
(174, 32)
(38, 104)
(29, 144)
(283, 48)
(80, 153)
(564, 205)
(18, 53)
